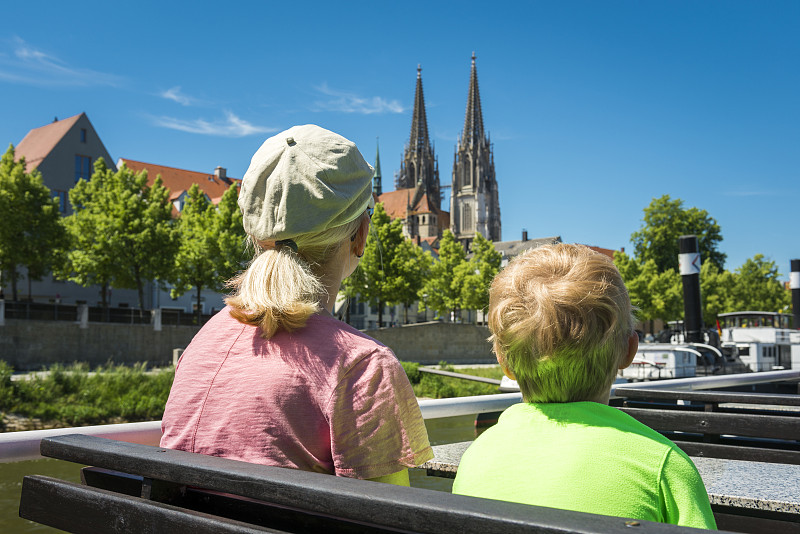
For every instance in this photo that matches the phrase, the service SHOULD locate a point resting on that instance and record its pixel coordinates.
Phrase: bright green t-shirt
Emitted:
(587, 457)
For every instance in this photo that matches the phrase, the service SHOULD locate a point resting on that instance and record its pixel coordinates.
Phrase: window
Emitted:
(83, 168)
(62, 199)
(83, 135)
(466, 224)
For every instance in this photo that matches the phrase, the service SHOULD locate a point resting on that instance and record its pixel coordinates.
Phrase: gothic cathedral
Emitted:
(474, 203)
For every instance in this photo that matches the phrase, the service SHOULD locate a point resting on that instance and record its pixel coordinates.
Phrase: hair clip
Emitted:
(286, 242)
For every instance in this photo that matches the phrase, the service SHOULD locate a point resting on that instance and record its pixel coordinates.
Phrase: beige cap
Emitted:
(304, 180)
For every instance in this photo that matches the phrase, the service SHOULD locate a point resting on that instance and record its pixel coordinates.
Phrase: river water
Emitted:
(440, 431)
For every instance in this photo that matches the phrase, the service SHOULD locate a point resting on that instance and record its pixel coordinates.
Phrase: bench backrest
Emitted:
(242, 497)
(704, 428)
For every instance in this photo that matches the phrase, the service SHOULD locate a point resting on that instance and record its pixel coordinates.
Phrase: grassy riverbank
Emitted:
(74, 395)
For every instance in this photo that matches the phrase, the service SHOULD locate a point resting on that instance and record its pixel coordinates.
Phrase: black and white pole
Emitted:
(689, 262)
(794, 284)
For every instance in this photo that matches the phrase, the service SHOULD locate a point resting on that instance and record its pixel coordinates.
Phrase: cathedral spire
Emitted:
(473, 122)
(419, 141)
(419, 162)
(474, 202)
(377, 182)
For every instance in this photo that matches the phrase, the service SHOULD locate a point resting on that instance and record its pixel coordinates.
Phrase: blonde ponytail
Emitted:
(281, 288)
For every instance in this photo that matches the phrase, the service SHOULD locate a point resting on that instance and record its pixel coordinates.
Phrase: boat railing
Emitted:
(20, 446)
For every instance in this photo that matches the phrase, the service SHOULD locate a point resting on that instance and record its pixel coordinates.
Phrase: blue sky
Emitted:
(594, 108)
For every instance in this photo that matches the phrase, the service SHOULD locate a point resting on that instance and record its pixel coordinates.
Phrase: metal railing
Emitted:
(37, 311)
(19, 446)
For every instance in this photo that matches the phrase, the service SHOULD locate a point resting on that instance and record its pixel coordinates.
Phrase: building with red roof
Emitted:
(63, 151)
(179, 181)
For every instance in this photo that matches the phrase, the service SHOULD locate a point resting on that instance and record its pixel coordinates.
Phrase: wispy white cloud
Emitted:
(345, 102)
(175, 94)
(30, 66)
(230, 126)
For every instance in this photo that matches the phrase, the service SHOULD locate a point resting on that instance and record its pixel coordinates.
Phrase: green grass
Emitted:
(73, 396)
(440, 387)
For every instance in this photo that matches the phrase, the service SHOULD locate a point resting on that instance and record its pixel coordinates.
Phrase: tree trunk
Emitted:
(13, 273)
(405, 313)
(380, 314)
(140, 291)
(199, 310)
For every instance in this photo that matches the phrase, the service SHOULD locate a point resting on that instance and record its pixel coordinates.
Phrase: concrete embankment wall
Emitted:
(430, 343)
(33, 345)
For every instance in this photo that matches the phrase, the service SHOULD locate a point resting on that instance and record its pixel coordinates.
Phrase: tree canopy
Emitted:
(32, 236)
(665, 220)
(210, 245)
(657, 295)
(377, 280)
(443, 290)
(123, 229)
(757, 287)
(198, 251)
(475, 276)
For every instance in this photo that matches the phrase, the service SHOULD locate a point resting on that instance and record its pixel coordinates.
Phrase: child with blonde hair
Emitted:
(562, 325)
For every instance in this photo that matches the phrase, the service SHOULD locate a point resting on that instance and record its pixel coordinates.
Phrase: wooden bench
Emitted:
(138, 488)
(716, 424)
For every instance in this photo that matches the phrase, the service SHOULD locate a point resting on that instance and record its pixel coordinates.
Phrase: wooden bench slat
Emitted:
(81, 509)
(737, 452)
(761, 426)
(779, 399)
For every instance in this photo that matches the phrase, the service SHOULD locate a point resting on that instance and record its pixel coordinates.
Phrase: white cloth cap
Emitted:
(304, 180)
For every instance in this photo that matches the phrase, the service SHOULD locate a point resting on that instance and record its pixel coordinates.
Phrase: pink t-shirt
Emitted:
(325, 398)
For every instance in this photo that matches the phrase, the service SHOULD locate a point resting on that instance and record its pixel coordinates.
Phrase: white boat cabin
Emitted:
(763, 341)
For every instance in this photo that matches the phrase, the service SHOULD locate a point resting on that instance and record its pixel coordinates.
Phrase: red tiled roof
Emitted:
(608, 252)
(395, 202)
(38, 143)
(179, 180)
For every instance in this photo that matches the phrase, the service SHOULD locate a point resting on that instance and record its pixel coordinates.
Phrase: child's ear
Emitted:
(506, 371)
(633, 346)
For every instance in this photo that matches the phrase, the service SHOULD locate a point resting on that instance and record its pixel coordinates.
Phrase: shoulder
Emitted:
(330, 334)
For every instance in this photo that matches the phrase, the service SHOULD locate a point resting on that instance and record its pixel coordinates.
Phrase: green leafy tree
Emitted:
(657, 295)
(134, 228)
(144, 240)
(716, 292)
(32, 236)
(758, 288)
(665, 220)
(375, 279)
(442, 291)
(198, 257)
(476, 275)
(230, 235)
(410, 265)
(88, 260)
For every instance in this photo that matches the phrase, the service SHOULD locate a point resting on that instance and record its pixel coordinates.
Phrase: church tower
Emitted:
(377, 181)
(474, 204)
(419, 165)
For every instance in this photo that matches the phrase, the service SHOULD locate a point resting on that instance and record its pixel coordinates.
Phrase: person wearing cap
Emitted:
(274, 378)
